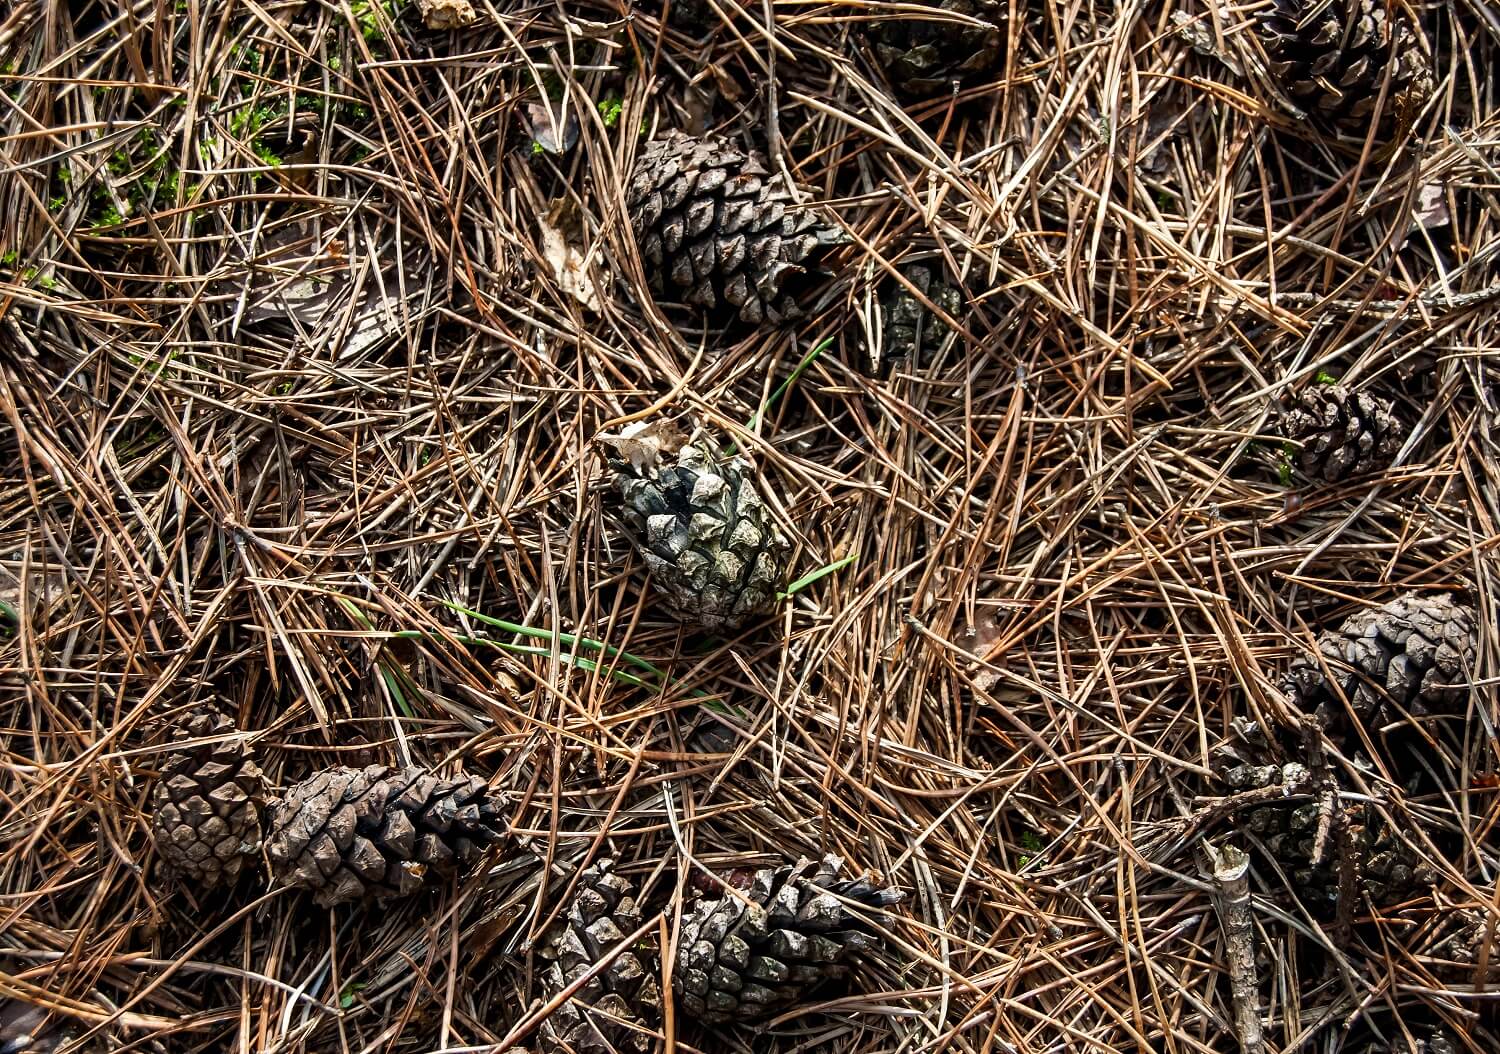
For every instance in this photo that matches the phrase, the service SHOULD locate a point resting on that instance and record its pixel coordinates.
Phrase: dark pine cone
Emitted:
(1386, 868)
(1341, 433)
(746, 957)
(1415, 653)
(704, 532)
(619, 1009)
(206, 807)
(713, 224)
(924, 56)
(1331, 58)
(378, 832)
(909, 329)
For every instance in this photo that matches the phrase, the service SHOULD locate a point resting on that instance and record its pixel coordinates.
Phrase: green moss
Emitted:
(609, 110)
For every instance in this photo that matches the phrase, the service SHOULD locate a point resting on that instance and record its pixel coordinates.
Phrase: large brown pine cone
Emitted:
(1415, 654)
(925, 56)
(700, 525)
(1331, 58)
(1341, 433)
(349, 834)
(619, 1008)
(205, 815)
(714, 225)
(745, 957)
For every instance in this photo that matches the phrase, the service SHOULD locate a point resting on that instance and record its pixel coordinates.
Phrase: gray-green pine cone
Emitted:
(1415, 654)
(1341, 433)
(205, 815)
(619, 1008)
(909, 329)
(715, 227)
(1331, 59)
(744, 958)
(924, 56)
(701, 528)
(377, 832)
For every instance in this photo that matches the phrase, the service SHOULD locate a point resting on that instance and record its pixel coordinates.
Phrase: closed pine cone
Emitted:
(205, 815)
(1340, 432)
(619, 1009)
(746, 957)
(909, 329)
(717, 228)
(700, 526)
(1332, 58)
(1415, 654)
(349, 834)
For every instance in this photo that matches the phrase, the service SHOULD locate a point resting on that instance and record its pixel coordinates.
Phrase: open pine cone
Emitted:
(1341, 433)
(929, 55)
(1415, 654)
(715, 226)
(1332, 58)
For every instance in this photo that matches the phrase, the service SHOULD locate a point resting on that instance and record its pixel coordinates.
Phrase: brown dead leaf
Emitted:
(559, 229)
(643, 443)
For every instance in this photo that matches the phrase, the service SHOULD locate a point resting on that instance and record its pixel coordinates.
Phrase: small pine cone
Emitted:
(205, 815)
(714, 225)
(1341, 433)
(744, 958)
(350, 834)
(1415, 654)
(909, 330)
(925, 56)
(619, 1009)
(703, 531)
(1331, 59)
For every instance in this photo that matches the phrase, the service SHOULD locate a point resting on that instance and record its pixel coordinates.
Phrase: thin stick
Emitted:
(1230, 871)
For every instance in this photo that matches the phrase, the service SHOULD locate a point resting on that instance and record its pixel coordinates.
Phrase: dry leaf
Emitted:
(541, 125)
(1432, 207)
(568, 264)
(643, 443)
(447, 14)
(1200, 37)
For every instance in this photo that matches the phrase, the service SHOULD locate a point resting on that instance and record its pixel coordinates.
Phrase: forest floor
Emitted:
(312, 317)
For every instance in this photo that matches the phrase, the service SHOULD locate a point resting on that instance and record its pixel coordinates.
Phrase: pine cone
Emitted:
(1414, 654)
(700, 526)
(924, 56)
(744, 958)
(1331, 58)
(1386, 868)
(909, 330)
(1341, 433)
(205, 815)
(619, 1009)
(715, 226)
(348, 834)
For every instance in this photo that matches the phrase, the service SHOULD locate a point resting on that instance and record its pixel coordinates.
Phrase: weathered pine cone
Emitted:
(1341, 433)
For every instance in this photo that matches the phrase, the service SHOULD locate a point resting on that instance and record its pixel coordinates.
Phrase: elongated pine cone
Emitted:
(1331, 59)
(1341, 433)
(619, 1009)
(206, 807)
(349, 834)
(714, 225)
(746, 957)
(925, 56)
(701, 527)
(1415, 653)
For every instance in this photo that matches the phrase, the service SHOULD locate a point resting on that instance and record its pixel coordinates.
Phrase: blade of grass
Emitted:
(822, 572)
